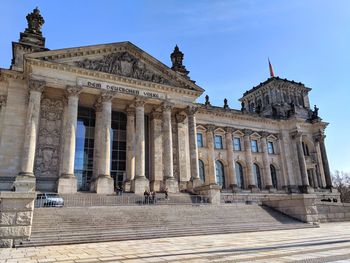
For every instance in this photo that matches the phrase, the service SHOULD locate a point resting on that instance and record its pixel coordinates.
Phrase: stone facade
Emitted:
(274, 143)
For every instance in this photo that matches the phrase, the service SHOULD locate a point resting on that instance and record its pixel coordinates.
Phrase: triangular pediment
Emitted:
(119, 59)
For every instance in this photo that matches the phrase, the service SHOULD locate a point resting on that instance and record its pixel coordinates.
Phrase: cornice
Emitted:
(109, 77)
(11, 74)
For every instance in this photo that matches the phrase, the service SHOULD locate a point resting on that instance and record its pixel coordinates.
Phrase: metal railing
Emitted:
(89, 200)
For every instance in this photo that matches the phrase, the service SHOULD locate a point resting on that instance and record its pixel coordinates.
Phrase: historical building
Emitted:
(91, 118)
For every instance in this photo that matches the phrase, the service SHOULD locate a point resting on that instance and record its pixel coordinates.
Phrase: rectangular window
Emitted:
(237, 144)
(270, 148)
(199, 140)
(254, 145)
(218, 142)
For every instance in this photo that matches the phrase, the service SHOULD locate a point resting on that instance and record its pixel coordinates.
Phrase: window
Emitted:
(306, 149)
(270, 148)
(254, 146)
(273, 176)
(218, 142)
(257, 175)
(267, 100)
(237, 144)
(199, 140)
(239, 175)
(201, 170)
(220, 178)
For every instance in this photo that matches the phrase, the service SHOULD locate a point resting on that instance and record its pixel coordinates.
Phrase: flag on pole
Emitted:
(271, 69)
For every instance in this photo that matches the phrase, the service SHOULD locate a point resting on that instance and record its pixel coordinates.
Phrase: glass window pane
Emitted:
(254, 145)
(270, 148)
(199, 140)
(237, 144)
(218, 142)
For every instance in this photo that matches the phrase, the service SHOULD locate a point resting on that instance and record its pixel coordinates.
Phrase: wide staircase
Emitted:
(68, 225)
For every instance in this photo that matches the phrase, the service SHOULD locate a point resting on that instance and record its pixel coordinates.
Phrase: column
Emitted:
(288, 154)
(183, 151)
(266, 164)
(325, 163)
(168, 165)
(211, 154)
(192, 138)
(320, 170)
(157, 150)
(67, 182)
(282, 173)
(3, 99)
(249, 159)
(231, 169)
(302, 164)
(104, 182)
(130, 145)
(25, 181)
(140, 182)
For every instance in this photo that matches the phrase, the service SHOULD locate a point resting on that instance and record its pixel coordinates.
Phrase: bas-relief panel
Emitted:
(48, 145)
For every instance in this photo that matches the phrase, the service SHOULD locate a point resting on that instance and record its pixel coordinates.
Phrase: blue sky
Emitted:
(226, 44)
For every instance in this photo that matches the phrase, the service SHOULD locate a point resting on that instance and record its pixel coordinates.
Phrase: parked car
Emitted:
(49, 200)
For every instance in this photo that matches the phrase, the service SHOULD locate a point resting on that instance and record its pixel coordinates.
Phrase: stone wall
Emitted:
(16, 216)
(333, 212)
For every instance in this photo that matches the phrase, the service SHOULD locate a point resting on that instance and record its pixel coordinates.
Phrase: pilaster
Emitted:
(157, 150)
(266, 165)
(231, 170)
(130, 147)
(249, 160)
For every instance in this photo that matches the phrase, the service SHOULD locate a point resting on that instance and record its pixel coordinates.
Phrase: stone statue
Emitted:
(225, 104)
(35, 22)
(207, 102)
(315, 111)
(177, 58)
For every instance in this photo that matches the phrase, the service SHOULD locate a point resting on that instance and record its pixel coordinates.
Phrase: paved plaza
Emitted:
(329, 243)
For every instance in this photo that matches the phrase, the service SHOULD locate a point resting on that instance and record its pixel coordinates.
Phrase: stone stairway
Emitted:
(72, 225)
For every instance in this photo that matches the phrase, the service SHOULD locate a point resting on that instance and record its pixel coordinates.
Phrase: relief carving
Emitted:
(48, 147)
(123, 64)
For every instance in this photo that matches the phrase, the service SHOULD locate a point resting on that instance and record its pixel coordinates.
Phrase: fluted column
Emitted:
(320, 170)
(229, 146)
(302, 163)
(211, 154)
(104, 184)
(3, 100)
(168, 165)
(25, 181)
(130, 148)
(192, 137)
(249, 159)
(157, 150)
(140, 182)
(266, 164)
(97, 144)
(325, 163)
(67, 182)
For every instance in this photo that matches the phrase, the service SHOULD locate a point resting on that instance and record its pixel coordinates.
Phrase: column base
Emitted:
(157, 185)
(172, 185)
(292, 189)
(212, 191)
(235, 188)
(139, 185)
(24, 182)
(306, 189)
(127, 185)
(104, 185)
(194, 183)
(67, 184)
(254, 188)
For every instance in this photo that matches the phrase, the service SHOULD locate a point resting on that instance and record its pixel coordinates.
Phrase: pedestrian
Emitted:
(154, 197)
(146, 196)
(166, 193)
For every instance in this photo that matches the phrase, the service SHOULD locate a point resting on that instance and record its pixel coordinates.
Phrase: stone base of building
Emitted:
(306, 189)
(193, 184)
(104, 185)
(172, 185)
(67, 185)
(157, 185)
(24, 183)
(139, 185)
(292, 189)
(127, 186)
(212, 191)
(254, 188)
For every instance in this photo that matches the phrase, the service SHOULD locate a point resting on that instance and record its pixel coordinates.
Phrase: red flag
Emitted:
(271, 70)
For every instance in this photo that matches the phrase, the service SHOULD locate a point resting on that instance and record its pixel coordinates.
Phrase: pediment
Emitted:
(119, 59)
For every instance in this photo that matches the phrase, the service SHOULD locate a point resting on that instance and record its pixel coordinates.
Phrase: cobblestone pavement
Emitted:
(329, 243)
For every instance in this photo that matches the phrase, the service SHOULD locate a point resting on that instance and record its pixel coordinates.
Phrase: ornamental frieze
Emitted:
(123, 64)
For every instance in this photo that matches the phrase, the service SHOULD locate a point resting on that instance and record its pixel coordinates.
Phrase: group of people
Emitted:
(150, 196)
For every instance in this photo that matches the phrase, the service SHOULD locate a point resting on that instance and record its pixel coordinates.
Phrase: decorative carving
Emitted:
(191, 110)
(264, 134)
(176, 58)
(124, 64)
(35, 22)
(229, 130)
(139, 102)
(3, 100)
(167, 106)
(36, 85)
(130, 111)
(98, 105)
(296, 134)
(247, 132)
(210, 128)
(48, 147)
(156, 114)
(73, 91)
(106, 96)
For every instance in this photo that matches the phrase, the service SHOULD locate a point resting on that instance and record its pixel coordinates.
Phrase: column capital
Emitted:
(98, 105)
(3, 100)
(210, 128)
(139, 102)
(319, 137)
(106, 96)
(191, 110)
(247, 132)
(264, 134)
(229, 130)
(296, 134)
(130, 110)
(180, 118)
(73, 91)
(36, 85)
(166, 106)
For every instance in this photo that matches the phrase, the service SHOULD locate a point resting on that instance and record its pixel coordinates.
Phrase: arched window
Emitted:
(201, 170)
(239, 175)
(257, 175)
(220, 177)
(273, 176)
